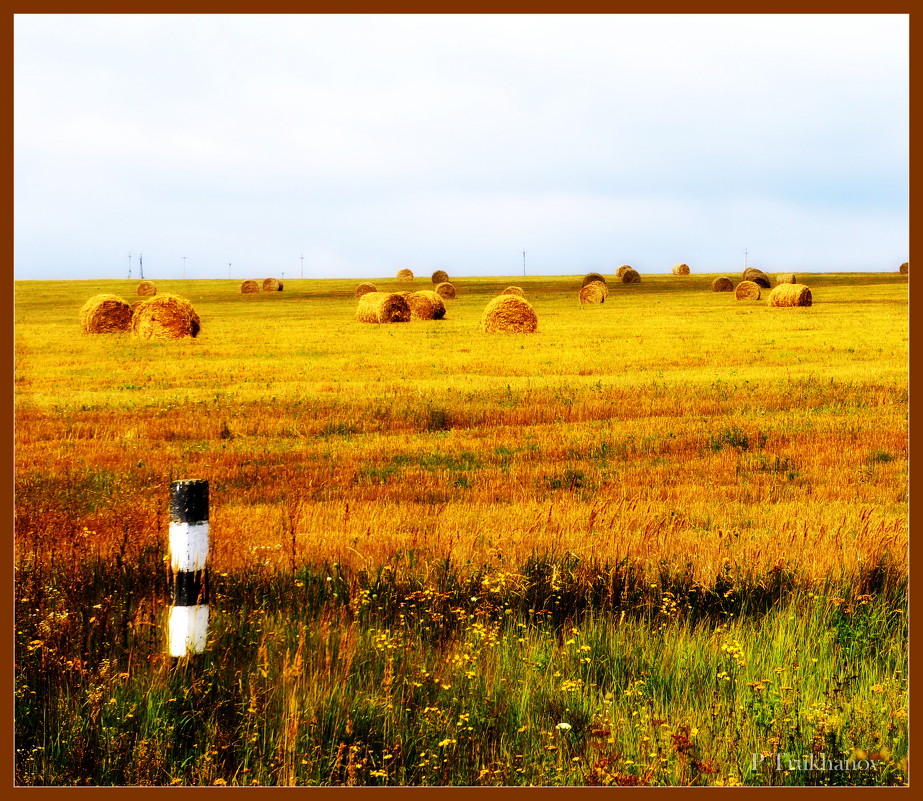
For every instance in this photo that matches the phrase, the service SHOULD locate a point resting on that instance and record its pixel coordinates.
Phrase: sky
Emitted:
(352, 146)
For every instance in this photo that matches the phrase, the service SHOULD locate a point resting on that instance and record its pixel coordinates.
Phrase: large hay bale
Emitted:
(146, 289)
(446, 290)
(594, 292)
(589, 278)
(790, 295)
(404, 275)
(631, 277)
(747, 290)
(425, 305)
(757, 277)
(165, 317)
(905, 268)
(272, 285)
(622, 270)
(786, 278)
(249, 287)
(440, 277)
(383, 307)
(364, 289)
(509, 314)
(722, 284)
(680, 269)
(514, 290)
(105, 314)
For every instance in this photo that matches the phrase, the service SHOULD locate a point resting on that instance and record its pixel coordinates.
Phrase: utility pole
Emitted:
(229, 269)
(302, 266)
(184, 268)
(523, 262)
(745, 258)
(129, 266)
(141, 265)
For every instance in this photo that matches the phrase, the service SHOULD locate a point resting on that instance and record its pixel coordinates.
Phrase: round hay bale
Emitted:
(440, 277)
(364, 289)
(425, 305)
(722, 285)
(514, 290)
(747, 290)
(786, 278)
(446, 290)
(630, 277)
(594, 292)
(165, 317)
(622, 270)
(272, 285)
(589, 278)
(757, 277)
(146, 289)
(509, 314)
(905, 268)
(404, 275)
(249, 287)
(790, 295)
(105, 314)
(383, 307)
(680, 269)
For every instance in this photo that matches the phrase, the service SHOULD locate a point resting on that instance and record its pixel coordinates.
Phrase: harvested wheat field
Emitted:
(165, 316)
(364, 289)
(747, 290)
(249, 287)
(147, 289)
(425, 305)
(405, 275)
(446, 290)
(722, 284)
(105, 314)
(272, 285)
(790, 295)
(589, 278)
(509, 314)
(630, 277)
(514, 290)
(786, 278)
(680, 269)
(440, 277)
(757, 277)
(622, 270)
(383, 307)
(594, 292)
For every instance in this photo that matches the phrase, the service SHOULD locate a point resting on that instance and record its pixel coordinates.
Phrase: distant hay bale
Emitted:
(165, 317)
(514, 290)
(747, 290)
(383, 307)
(364, 289)
(786, 278)
(272, 285)
(594, 292)
(105, 314)
(509, 314)
(757, 277)
(630, 277)
(440, 277)
(622, 270)
(404, 275)
(425, 305)
(722, 285)
(147, 289)
(680, 269)
(905, 268)
(590, 277)
(446, 290)
(249, 287)
(790, 295)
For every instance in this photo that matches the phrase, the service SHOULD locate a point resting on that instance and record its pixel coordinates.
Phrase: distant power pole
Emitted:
(302, 266)
(523, 262)
(745, 258)
(229, 269)
(184, 268)
(129, 266)
(141, 265)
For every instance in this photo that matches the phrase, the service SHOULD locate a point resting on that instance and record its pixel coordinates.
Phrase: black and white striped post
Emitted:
(188, 627)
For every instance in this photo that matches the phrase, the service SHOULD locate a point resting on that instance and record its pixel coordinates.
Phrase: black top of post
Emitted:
(189, 500)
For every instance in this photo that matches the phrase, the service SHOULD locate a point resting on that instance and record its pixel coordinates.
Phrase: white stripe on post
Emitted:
(188, 626)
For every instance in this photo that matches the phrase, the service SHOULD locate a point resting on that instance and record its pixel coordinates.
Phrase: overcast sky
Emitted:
(370, 143)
